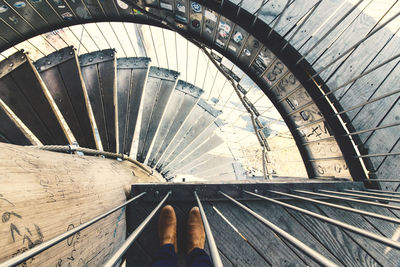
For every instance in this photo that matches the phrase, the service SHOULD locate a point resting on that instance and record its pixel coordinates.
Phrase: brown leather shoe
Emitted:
(167, 227)
(195, 232)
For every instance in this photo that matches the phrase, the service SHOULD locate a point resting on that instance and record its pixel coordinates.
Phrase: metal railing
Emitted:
(54, 241)
(350, 195)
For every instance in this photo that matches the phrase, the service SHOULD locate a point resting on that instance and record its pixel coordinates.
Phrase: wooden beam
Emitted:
(44, 194)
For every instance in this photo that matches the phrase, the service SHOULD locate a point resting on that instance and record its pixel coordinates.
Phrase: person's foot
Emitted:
(167, 227)
(195, 232)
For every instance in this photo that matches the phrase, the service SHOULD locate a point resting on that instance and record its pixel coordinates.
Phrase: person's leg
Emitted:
(196, 237)
(166, 256)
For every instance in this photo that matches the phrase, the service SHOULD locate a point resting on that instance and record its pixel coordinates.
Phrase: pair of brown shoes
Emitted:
(167, 228)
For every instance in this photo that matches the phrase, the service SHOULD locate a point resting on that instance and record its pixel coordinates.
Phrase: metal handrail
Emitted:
(211, 242)
(378, 204)
(129, 241)
(357, 230)
(362, 212)
(294, 241)
(54, 241)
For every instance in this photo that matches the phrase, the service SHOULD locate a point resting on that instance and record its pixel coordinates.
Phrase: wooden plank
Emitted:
(62, 191)
(198, 146)
(230, 244)
(11, 132)
(183, 99)
(159, 87)
(333, 238)
(350, 30)
(99, 74)
(281, 218)
(388, 229)
(131, 75)
(148, 240)
(192, 117)
(171, 112)
(72, 77)
(382, 254)
(60, 72)
(197, 128)
(390, 168)
(24, 110)
(295, 12)
(320, 18)
(372, 85)
(275, 251)
(355, 62)
(24, 93)
(383, 141)
(182, 118)
(213, 142)
(210, 162)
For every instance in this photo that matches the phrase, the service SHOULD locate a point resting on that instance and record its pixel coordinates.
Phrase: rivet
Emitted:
(255, 191)
(90, 59)
(101, 57)
(11, 64)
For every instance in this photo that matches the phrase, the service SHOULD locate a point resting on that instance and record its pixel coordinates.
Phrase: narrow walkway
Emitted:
(263, 247)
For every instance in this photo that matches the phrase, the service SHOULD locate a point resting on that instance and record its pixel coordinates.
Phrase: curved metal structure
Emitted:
(257, 48)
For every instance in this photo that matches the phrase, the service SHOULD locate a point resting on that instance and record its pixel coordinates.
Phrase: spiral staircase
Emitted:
(93, 143)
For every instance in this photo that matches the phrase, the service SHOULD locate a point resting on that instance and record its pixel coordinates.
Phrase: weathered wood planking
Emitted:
(131, 76)
(383, 140)
(99, 74)
(191, 118)
(350, 30)
(11, 132)
(148, 240)
(205, 142)
(390, 169)
(230, 244)
(364, 87)
(61, 74)
(191, 136)
(280, 217)
(384, 255)
(209, 164)
(62, 191)
(320, 20)
(371, 114)
(213, 142)
(295, 11)
(183, 99)
(25, 94)
(275, 251)
(159, 87)
(201, 117)
(333, 238)
(387, 229)
(355, 61)
(181, 119)
(219, 169)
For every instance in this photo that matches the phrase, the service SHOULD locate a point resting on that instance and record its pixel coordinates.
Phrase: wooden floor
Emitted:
(263, 247)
